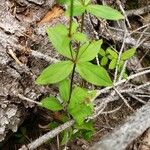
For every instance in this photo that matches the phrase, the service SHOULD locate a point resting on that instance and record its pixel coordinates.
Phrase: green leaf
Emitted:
(105, 12)
(55, 73)
(64, 137)
(87, 135)
(94, 74)
(86, 126)
(51, 103)
(58, 35)
(88, 51)
(120, 64)
(128, 54)
(125, 75)
(78, 106)
(64, 90)
(78, 10)
(112, 53)
(113, 64)
(64, 118)
(102, 52)
(87, 2)
(78, 96)
(74, 28)
(104, 61)
(80, 113)
(91, 95)
(79, 37)
(110, 57)
(53, 125)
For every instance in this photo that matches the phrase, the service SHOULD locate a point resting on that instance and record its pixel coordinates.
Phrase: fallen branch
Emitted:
(40, 55)
(35, 54)
(41, 140)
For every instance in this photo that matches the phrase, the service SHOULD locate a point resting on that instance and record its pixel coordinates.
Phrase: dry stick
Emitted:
(139, 11)
(136, 98)
(41, 140)
(111, 111)
(104, 101)
(131, 32)
(99, 110)
(145, 96)
(142, 41)
(125, 101)
(142, 59)
(28, 100)
(124, 13)
(43, 56)
(138, 43)
(129, 40)
(102, 104)
(118, 60)
(136, 88)
(141, 69)
(123, 70)
(144, 26)
(119, 56)
(14, 57)
(34, 53)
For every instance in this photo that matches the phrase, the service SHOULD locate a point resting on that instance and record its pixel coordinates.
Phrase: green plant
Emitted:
(70, 41)
(110, 58)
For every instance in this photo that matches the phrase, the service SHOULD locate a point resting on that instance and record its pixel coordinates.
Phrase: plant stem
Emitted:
(71, 17)
(74, 67)
(70, 26)
(82, 22)
(71, 83)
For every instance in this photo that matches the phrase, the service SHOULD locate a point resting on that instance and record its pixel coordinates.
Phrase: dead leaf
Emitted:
(56, 12)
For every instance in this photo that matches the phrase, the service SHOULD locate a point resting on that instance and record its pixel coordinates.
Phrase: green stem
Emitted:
(82, 22)
(74, 67)
(71, 17)
(70, 26)
(72, 78)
